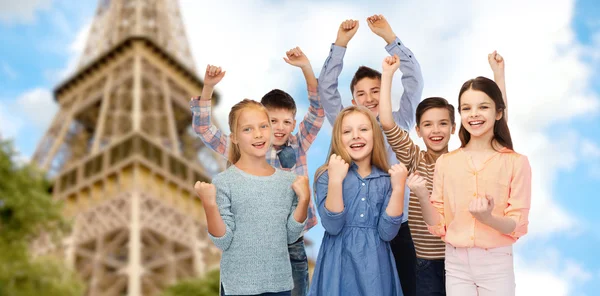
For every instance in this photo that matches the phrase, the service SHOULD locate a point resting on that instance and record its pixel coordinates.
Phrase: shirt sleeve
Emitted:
(209, 133)
(224, 204)
(437, 198)
(412, 81)
(405, 149)
(387, 225)
(519, 199)
(328, 83)
(332, 222)
(313, 120)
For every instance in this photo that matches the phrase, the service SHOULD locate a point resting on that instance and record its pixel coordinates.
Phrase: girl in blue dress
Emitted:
(360, 201)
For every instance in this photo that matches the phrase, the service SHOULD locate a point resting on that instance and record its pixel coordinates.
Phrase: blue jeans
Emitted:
(431, 277)
(299, 270)
(299, 267)
(405, 256)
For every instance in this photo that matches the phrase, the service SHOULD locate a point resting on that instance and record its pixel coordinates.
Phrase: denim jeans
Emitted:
(406, 260)
(299, 263)
(299, 267)
(431, 277)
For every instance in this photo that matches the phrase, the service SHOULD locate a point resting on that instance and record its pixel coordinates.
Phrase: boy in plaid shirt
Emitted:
(288, 151)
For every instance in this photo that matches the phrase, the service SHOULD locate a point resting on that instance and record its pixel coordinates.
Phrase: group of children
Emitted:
(450, 232)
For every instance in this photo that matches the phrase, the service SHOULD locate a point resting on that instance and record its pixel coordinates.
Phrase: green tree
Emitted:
(206, 286)
(26, 210)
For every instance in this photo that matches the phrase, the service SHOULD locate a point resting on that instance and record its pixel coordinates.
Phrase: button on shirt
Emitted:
(505, 176)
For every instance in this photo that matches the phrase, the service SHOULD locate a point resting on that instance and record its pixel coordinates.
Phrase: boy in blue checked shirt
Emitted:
(288, 151)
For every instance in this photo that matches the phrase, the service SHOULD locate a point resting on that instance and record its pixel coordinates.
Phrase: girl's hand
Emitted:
(207, 193)
(301, 188)
(481, 208)
(496, 61)
(296, 57)
(398, 173)
(337, 168)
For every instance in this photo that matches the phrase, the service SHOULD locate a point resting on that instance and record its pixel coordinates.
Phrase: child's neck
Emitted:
(482, 143)
(257, 166)
(364, 167)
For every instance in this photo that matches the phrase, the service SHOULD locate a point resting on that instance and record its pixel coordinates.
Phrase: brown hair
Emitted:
(491, 89)
(234, 115)
(363, 72)
(378, 155)
(278, 99)
(434, 102)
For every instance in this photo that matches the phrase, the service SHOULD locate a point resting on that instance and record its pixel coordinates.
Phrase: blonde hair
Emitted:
(378, 155)
(234, 115)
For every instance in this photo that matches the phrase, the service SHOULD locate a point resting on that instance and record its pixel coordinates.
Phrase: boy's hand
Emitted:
(207, 193)
(398, 173)
(496, 61)
(337, 168)
(296, 57)
(380, 26)
(390, 64)
(418, 185)
(346, 31)
(213, 75)
(301, 188)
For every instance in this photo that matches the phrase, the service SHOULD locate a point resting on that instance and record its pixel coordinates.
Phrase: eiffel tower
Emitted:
(124, 158)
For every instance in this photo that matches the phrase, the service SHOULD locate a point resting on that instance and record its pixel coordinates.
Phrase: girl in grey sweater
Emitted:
(253, 210)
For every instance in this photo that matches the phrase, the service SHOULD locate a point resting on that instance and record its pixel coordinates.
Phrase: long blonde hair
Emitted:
(234, 115)
(378, 155)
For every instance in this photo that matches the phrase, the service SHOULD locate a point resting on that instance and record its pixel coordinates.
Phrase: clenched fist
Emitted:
(496, 61)
(346, 31)
(481, 207)
(390, 64)
(207, 193)
(301, 188)
(398, 173)
(418, 185)
(337, 168)
(213, 75)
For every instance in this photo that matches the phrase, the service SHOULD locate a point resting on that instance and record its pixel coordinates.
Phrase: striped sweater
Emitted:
(427, 246)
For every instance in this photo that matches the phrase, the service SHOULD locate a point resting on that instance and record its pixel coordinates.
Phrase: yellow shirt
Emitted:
(505, 176)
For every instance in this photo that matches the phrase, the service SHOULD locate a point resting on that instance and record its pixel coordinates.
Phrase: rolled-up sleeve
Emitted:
(332, 222)
(519, 200)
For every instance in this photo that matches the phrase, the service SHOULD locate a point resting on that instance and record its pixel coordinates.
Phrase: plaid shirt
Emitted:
(214, 138)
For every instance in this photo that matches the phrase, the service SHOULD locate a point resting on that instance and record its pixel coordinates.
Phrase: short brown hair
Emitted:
(434, 102)
(363, 72)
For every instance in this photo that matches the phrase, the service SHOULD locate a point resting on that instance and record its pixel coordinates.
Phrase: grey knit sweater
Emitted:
(258, 214)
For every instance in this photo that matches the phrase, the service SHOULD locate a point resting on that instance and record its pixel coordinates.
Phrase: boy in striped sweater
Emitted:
(435, 124)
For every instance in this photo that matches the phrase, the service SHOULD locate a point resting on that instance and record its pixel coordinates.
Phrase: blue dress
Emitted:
(355, 256)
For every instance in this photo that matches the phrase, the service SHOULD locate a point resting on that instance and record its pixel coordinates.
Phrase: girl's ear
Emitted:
(233, 139)
(499, 114)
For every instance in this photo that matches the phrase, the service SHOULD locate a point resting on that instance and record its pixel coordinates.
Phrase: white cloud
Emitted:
(22, 11)
(74, 50)
(38, 106)
(589, 149)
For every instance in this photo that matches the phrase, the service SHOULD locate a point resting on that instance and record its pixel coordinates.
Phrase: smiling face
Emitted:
(357, 136)
(253, 133)
(478, 114)
(435, 128)
(283, 124)
(366, 93)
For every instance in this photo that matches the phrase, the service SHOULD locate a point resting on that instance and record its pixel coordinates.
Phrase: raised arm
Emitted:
(412, 78)
(497, 64)
(209, 133)
(313, 120)
(332, 68)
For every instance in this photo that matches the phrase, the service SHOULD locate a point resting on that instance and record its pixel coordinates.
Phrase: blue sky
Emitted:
(552, 50)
